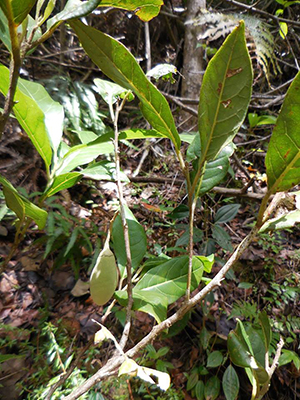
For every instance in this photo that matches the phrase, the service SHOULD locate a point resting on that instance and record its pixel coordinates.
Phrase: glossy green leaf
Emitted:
(73, 9)
(82, 154)
(212, 388)
(62, 182)
(52, 110)
(104, 277)
(239, 352)
(118, 64)
(151, 303)
(21, 206)
(169, 279)
(230, 383)
(266, 328)
(145, 10)
(222, 237)
(30, 117)
(283, 155)
(225, 94)
(216, 170)
(257, 344)
(214, 359)
(137, 239)
(20, 9)
(226, 213)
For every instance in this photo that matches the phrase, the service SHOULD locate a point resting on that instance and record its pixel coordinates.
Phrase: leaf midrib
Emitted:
(138, 93)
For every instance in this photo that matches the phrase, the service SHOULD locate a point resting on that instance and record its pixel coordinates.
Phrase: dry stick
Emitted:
(127, 325)
(216, 189)
(15, 65)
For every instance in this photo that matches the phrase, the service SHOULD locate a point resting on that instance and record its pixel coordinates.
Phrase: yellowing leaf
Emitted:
(104, 277)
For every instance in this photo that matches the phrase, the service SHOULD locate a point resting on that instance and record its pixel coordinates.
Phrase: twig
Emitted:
(216, 189)
(271, 370)
(175, 100)
(264, 13)
(115, 117)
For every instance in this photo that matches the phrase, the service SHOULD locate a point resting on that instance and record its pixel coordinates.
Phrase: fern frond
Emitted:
(260, 41)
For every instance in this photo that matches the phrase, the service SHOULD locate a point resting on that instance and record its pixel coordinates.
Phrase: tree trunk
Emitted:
(192, 58)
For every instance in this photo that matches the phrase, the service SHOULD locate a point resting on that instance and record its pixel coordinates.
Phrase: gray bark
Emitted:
(193, 64)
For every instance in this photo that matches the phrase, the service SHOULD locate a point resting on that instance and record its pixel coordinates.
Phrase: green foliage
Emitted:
(116, 62)
(283, 155)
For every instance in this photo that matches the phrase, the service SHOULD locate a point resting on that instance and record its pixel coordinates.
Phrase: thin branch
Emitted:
(264, 13)
(127, 326)
(220, 190)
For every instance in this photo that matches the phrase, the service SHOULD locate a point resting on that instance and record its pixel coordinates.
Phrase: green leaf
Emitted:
(225, 94)
(192, 380)
(103, 170)
(222, 237)
(226, 213)
(6, 357)
(169, 279)
(258, 120)
(109, 91)
(283, 31)
(283, 155)
(288, 356)
(266, 328)
(82, 154)
(73, 9)
(21, 206)
(118, 64)
(137, 239)
(184, 238)
(257, 344)
(214, 359)
(53, 111)
(230, 383)
(145, 10)
(151, 303)
(212, 388)
(4, 31)
(164, 71)
(30, 117)
(216, 170)
(239, 352)
(199, 390)
(20, 9)
(104, 277)
(62, 182)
